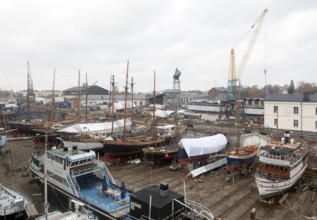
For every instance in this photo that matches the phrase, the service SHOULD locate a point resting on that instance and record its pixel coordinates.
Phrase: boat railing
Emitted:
(72, 185)
(103, 167)
(111, 208)
(129, 187)
(76, 184)
(21, 192)
(83, 170)
(9, 210)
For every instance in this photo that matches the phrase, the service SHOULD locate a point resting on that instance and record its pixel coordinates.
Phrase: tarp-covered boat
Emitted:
(194, 149)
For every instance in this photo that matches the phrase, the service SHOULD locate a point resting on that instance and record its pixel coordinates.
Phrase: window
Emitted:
(315, 124)
(296, 110)
(275, 109)
(316, 111)
(295, 123)
(275, 122)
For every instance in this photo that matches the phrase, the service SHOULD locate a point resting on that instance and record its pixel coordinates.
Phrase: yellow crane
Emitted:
(234, 76)
(228, 107)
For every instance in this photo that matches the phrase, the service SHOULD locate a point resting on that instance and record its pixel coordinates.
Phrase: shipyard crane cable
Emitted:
(244, 36)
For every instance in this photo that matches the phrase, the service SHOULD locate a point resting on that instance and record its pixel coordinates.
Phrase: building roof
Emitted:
(92, 89)
(306, 97)
(157, 200)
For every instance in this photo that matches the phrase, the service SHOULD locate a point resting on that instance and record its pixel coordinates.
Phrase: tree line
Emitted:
(256, 92)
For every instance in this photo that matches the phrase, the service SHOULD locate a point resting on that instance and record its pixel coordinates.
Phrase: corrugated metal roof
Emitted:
(292, 97)
(157, 201)
(284, 97)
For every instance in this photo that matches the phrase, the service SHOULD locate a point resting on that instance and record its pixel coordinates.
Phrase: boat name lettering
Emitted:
(274, 161)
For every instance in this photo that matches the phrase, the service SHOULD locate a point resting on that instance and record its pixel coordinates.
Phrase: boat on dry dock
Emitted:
(165, 153)
(281, 165)
(13, 205)
(79, 175)
(116, 149)
(242, 157)
(161, 154)
(199, 149)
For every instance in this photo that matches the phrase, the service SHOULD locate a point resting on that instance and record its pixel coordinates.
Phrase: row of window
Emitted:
(295, 110)
(295, 123)
(60, 160)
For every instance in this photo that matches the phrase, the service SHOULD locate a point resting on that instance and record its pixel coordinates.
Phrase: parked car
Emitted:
(175, 166)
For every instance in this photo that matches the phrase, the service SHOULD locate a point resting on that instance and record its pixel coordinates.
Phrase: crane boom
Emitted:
(256, 26)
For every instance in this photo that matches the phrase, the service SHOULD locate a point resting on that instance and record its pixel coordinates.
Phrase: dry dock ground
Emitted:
(225, 199)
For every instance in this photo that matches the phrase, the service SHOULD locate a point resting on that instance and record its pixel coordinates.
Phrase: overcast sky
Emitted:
(98, 37)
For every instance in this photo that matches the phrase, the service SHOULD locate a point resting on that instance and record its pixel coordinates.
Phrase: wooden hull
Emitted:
(243, 158)
(115, 150)
(160, 154)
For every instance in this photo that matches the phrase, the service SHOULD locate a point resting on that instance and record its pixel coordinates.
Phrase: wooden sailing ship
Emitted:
(123, 146)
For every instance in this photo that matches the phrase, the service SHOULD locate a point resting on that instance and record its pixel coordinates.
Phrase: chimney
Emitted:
(286, 136)
(75, 150)
(163, 189)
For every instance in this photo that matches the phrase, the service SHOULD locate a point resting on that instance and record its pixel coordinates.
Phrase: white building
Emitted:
(291, 112)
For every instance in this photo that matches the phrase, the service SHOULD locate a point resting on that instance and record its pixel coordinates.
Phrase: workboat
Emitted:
(13, 205)
(242, 158)
(199, 149)
(79, 175)
(281, 165)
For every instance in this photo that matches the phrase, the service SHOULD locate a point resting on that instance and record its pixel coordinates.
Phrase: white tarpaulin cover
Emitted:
(96, 127)
(164, 113)
(204, 145)
(120, 105)
(82, 145)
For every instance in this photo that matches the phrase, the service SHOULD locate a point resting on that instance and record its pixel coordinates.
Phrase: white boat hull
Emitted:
(268, 188)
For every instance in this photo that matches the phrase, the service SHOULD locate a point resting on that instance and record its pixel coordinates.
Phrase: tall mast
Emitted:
(45, 180)
(53, 101)
(154, 109)
(109, 93)
(132, 97)
(238, 114)
(86, 99)
(125, 102)
(112, 103)
(29, 85)
(78, 98)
